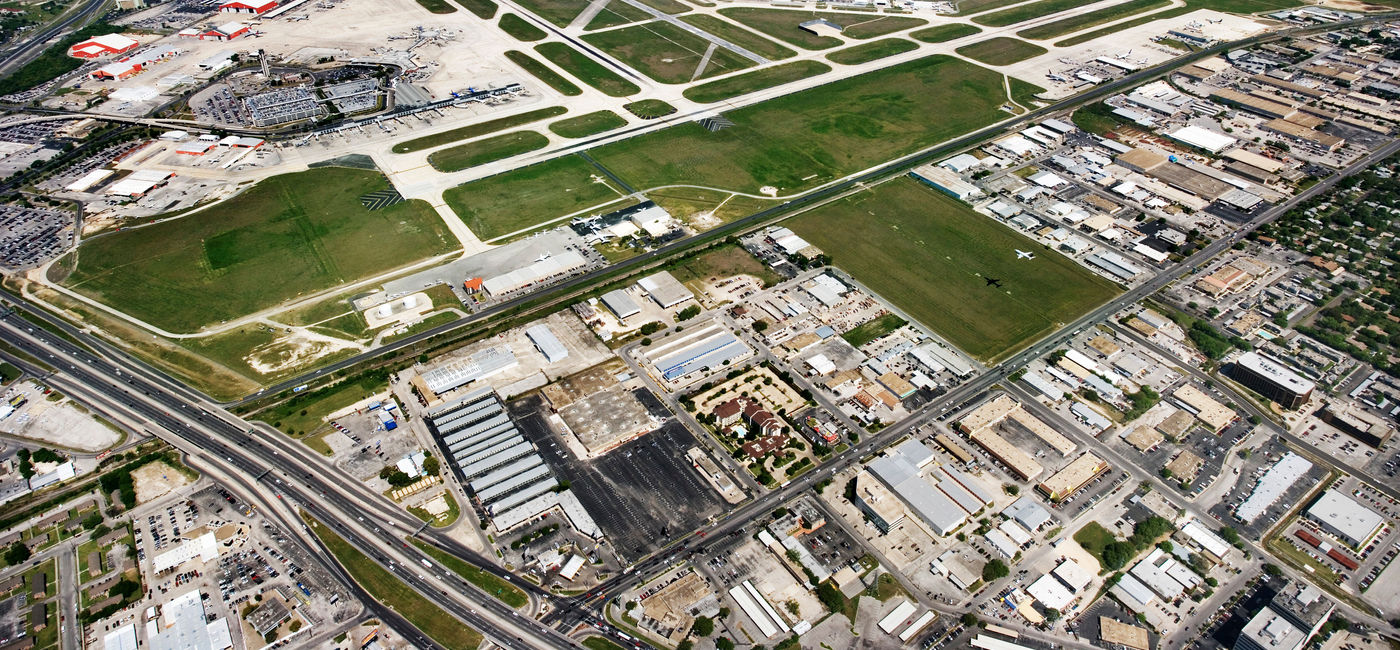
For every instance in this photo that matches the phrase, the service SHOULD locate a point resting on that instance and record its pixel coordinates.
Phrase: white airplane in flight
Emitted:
(1024, 255)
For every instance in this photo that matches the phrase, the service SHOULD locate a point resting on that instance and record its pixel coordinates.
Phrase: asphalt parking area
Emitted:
(642, 494)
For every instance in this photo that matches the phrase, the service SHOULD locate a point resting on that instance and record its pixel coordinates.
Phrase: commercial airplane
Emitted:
(993, 282)
(1024, 255)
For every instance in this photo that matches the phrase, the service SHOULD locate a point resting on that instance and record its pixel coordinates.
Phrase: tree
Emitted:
(92, 521)
(685, 645)
(432, 466)
(704, 626)
(758, 326)
(970, 620)
(994, 570)
(1272, 569)
(1116, 554)
(17, 553)
(723, 643)
(724, 612)
(1052, 615)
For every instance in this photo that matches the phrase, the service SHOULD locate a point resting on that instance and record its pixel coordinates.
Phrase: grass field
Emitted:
(484, 9)
(740, 36)
(616, 13)
(589, 124)
(1026, 12)
(502, 590)
(743, 84)
(486, 150)
(502, 204)
(802, 139)
(440, 626)
(1091, 19)
(666, 52)
(1096, 118)
(521, 30)
(929, 254)
(599, 643)
(722, 261)
(1001, 51)
(782, 24)
(944, 33)
(690, 204)
(871, 51)
(969, 7)
(1023, 92)
(287, 236)
(667, 6)
(559, 12)
(475, 130)
(1093, 538)
(869, 331)
(587, 70)
(649, 109)
(544, 73)
(438, 6)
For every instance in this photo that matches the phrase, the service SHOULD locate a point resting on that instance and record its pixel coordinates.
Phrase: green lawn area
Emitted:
(440, 626)
(520, 29)
(1023, 92)
(748, 82)
(782, 24)
(969, 7)
(502, 590)
(687, 204)
(616, 13)
(438, 6)
(559, 12)
(874, 329)
(944, 33)
(287, 236)
(929, 254)
(599, 643)
(475, 130)
(649, 109)
(803, 139)
(543, 73)
(518, 199)
(666, 52)
(719, 262)
(303, 413)
(484, 9)
(1091, 19)
(1000, 51)
(1096, 118)
(1094, 537)
(8, 373)
(587, 70)
(485, 150)
(871, 51)
(1026, 12)
(740, 36)
(589, 124)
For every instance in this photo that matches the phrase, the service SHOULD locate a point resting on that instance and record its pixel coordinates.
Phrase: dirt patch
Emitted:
(155, 480)
(294, 350)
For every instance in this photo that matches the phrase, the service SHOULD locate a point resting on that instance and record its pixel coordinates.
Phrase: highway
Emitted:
(209, 437)
(15, 56)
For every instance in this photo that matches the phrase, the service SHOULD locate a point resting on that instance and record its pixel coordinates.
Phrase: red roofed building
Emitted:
(226, 32)
(251, 7)
(103, 45)
(472, 285)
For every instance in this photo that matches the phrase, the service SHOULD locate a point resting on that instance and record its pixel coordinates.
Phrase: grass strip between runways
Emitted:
(502, 590)
(543, 73)
(486, 150)
(474, 130)
(748, 82)
(385, 588)
(587, 70)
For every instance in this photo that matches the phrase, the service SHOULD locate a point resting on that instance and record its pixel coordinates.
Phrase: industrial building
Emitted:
(139, 183)
(255, 7)
(547, 343)
(1359, 424)
(479, 365)
(1272, 485)
(664, 289)
(758, 609)
(693, 353)
(939, 177)
(620, 304)
(1073, 477)
(1203, 139)
(1303, 134)
(1292, 617)
(184, 624)
(1271, 379)
(940, 504)
(1018, 462)
(104, 45)
(543, 270)
(1344, 518)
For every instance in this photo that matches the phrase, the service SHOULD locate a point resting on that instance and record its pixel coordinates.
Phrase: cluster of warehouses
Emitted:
(492, 457)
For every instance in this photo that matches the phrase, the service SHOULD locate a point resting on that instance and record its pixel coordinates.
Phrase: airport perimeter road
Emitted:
(269, 472)
(760, 507)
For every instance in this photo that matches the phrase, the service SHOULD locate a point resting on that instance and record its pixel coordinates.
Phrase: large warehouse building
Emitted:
(480, 365)
(1271, 379)
(103, 45)
(1345, 519)
(690, 355)
(1073, 477)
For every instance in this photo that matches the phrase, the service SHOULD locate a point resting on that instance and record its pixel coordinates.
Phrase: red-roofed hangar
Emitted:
(251, 7)
(102, 46)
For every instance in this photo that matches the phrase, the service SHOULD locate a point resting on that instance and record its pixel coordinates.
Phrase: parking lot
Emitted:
(642, 494)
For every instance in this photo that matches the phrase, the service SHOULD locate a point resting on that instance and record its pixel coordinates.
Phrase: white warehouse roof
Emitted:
(1202, 138)
(1339, 513)
(547, 343)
